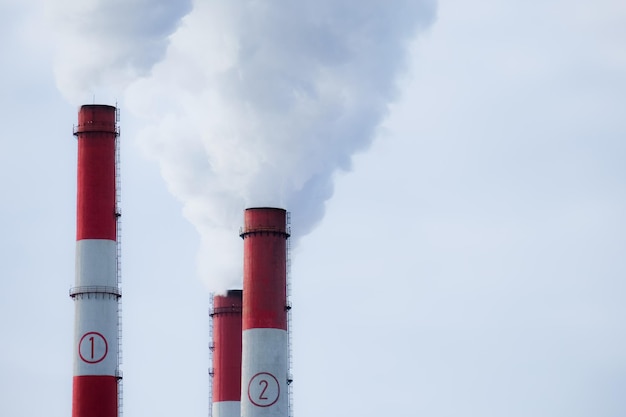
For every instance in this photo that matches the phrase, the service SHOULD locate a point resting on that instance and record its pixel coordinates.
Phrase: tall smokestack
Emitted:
(265, 356)
(226, 346)
(97, 293)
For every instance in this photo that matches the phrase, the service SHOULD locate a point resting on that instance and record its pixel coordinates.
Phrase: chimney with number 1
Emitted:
(96, 293)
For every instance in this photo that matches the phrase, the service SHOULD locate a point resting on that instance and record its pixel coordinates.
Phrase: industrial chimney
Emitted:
(226, 348)
(265, 352)
(97, 292)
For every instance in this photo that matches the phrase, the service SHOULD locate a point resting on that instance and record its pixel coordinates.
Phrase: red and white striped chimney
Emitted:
(97, 293)
(226, 345)
(265, 355)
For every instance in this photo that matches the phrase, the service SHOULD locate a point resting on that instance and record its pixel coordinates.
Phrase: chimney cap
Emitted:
(234, 293)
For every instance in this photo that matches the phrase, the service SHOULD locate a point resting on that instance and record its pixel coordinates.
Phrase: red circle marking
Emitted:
(264, 380)
(93, 359)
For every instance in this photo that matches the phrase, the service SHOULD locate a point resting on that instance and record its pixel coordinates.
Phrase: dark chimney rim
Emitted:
(96, 106)
(234, 293)
(266, 208)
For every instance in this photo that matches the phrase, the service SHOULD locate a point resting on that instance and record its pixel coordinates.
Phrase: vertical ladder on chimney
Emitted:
(289, 326)
(211, 349)
(118, 257)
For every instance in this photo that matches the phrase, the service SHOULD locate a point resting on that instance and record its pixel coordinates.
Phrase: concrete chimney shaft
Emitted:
(96, 292)
(265, 356)
(226, 345)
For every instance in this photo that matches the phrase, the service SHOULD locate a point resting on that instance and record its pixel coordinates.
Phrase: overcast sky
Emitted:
(461, 252)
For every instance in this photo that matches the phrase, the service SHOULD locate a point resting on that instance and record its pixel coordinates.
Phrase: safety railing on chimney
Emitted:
(118, 260)
(265, 229)
(211, 349)
(289, 325)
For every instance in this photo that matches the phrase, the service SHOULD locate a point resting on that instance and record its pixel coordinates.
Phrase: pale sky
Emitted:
(470, 258)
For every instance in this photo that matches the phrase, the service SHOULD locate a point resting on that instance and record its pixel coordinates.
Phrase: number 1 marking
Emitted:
(92, 347)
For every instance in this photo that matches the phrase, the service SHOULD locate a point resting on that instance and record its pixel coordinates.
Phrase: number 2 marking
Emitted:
(262, 395)
(263, 389)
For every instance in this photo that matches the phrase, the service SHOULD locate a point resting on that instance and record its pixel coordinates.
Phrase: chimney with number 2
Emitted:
(265, 343)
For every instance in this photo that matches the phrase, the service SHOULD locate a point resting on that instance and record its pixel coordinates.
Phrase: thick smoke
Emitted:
(260, 103)
(104, 45)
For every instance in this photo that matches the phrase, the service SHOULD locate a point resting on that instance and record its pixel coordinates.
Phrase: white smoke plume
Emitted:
(259, 103)
(104, 45)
